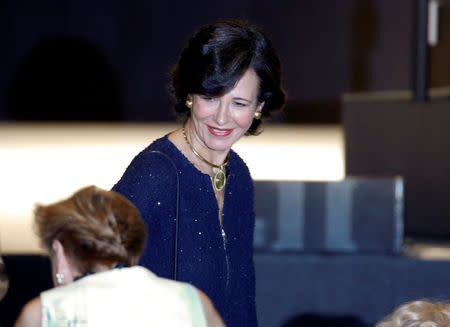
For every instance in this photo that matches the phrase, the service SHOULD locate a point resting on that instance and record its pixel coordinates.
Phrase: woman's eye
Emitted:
(207, 98)
(240, 104)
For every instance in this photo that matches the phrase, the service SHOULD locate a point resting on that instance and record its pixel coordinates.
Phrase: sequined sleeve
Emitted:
(150, 183)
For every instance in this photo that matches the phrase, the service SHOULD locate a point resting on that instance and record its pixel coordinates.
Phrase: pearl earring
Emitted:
(258, 115)
(59, 278)
(188, 103)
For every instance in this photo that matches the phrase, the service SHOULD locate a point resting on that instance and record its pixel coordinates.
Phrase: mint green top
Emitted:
(122, 297)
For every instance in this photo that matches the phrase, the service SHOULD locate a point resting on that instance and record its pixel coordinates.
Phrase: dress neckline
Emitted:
(187, 163)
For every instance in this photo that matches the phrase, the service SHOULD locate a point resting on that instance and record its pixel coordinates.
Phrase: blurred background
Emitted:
(126, 48)
(109, 60)
(364, 141)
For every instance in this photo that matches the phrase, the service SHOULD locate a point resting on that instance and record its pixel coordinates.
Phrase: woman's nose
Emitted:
(221, 115)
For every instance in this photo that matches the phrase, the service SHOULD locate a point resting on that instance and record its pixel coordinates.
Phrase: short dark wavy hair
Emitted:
(217, 56)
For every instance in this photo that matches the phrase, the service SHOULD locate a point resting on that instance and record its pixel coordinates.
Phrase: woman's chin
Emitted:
(220, 146)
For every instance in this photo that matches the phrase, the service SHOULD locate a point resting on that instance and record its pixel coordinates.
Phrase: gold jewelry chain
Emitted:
(219, 179)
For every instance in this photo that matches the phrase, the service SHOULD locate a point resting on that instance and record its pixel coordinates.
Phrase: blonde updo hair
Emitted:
(420, 313)
(95, 227)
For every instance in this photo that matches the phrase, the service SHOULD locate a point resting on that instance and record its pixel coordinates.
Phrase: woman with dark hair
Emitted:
(190, 186)
(94, 237)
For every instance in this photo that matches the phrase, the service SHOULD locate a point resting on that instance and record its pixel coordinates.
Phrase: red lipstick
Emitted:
(219, 132)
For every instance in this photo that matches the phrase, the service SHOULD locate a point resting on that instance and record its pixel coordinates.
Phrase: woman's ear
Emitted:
(63, 270)
(58, 253)
(260, 106)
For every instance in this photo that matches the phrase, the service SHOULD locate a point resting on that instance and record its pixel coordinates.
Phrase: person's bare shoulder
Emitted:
(30, 315)
(213, 318)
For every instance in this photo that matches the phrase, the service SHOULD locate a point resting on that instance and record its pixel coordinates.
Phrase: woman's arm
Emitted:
(150, 183)
(30, 315)
(213, 318)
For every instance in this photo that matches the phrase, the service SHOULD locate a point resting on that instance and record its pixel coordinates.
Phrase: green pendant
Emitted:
(219, 180)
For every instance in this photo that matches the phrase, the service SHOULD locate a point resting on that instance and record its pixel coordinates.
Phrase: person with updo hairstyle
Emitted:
(421, 313)
(190, 186)
(95, 239)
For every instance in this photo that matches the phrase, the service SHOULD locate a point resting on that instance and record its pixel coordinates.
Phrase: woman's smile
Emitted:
(220, 132)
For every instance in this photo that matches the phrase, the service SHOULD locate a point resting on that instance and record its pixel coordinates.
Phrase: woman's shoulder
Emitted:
(183, 298)
(30, 315)
(157, 156)
(236, 159)
(153, 170)
(160, 145)
(145, 278)
(238, 165)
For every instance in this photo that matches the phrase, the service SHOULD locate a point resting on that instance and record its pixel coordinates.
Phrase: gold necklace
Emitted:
(219, 179)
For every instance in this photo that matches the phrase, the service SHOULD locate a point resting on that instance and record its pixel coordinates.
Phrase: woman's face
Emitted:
(219, 122)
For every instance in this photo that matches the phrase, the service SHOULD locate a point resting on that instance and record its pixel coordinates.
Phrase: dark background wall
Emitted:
(108, 60)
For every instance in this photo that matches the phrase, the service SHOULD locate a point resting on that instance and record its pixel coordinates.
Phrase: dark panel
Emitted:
(29, 275)
(334, 288)
(410, 140)
(326, 47)
(363, 215)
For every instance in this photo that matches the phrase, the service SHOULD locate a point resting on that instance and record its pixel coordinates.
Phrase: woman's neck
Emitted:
(96, 269)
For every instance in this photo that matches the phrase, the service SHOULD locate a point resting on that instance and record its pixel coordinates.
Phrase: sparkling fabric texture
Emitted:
(225, 272)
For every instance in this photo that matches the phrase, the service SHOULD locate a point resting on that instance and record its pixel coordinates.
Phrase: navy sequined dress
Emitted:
(220, 264)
